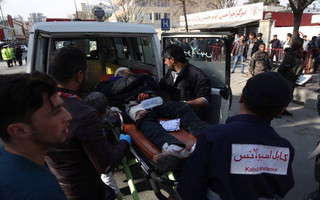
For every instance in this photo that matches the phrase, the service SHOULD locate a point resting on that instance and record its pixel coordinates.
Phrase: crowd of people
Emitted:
(55, 145)
(273, 51)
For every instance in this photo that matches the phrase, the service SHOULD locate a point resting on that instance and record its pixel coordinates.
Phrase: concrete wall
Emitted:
(306, 30)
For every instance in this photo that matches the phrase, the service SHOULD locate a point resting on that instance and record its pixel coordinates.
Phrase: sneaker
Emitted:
(175, 150)
(166, 162)
(232, 72)
(287, 113)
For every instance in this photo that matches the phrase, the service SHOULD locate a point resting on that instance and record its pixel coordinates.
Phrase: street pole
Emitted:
(75, 5)
(4, 24)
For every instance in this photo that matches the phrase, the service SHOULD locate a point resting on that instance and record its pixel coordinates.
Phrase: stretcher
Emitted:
(144, 153)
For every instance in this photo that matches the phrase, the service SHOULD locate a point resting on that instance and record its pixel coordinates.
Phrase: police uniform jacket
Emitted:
(243, 159)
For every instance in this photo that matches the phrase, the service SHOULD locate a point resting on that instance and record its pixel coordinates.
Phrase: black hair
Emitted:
(262, 44)
(289, 34)
(20, 96)
(260, 34)
(253, 34)
(66, 62)
(98, 101)
(174, 51)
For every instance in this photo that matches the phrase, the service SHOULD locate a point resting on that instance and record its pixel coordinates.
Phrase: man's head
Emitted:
(297, 45)
(252, 35)
(69, 65)
(31, 110)
(262, 47)
(275, 37)
(259, 36)
(314, 38)
(305, 37)
(289, 35)
(123, 71)
(242, 38)
(172, 55)
(98, 101)
(266, 95)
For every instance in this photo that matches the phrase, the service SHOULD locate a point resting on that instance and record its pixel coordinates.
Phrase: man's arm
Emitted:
(198, 102)
(102, 154)
(202, 90)
(252, 64)
(194, 179)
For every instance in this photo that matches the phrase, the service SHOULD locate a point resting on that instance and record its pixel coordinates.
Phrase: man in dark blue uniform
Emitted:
(244, 158)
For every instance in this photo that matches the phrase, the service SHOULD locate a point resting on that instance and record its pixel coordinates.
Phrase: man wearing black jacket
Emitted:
(183, 81)
(86, 154)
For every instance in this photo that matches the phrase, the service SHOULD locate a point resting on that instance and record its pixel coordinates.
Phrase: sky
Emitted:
(50, 8)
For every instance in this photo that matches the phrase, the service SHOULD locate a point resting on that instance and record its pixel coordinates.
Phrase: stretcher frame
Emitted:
(154, 176)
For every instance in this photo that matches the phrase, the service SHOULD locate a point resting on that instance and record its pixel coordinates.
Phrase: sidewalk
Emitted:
(15, 69)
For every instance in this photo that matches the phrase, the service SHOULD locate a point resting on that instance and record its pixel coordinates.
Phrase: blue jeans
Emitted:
(153, 130)
(236, 60)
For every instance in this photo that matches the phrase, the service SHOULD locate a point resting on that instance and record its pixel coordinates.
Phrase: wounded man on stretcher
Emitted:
(129, 92)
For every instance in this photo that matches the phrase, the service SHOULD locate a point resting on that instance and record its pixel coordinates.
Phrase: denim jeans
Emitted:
(153, 130)
(236, 60)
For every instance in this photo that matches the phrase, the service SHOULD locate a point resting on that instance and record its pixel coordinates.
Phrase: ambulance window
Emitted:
(143, 51)
(89, 46)
(122, 48)
(41, 58)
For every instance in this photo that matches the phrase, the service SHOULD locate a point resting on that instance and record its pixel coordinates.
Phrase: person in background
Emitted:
(244, 158)
(18, 54)
(275, 46)
(239, 52)
(305, 46)
(291, 67)
(313, 54)
(11, 54)
(288, 42)
(32, 120)
(259, 39)
(86, 154)
(6, 56)
(259, 62)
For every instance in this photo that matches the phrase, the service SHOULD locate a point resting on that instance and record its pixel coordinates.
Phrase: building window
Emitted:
(157, 16)
(149, 16)
(167, 15)
(164, 3)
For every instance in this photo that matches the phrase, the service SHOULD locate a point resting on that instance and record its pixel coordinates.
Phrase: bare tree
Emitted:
(184, 4)
(266, 2)
(130, 11)
(220, 4)
(297, 7)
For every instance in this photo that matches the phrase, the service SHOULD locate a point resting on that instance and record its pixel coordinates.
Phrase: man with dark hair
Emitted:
(183, 81)
(239, 51)
(288, 42)
(32, 120)
(259, 62)
(244, 158)
(291, 67)
(86, 154)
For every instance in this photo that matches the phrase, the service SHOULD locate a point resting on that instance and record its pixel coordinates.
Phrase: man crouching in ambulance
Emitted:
(244, 158)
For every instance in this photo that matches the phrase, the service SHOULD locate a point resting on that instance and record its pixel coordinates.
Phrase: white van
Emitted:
(110, 45)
